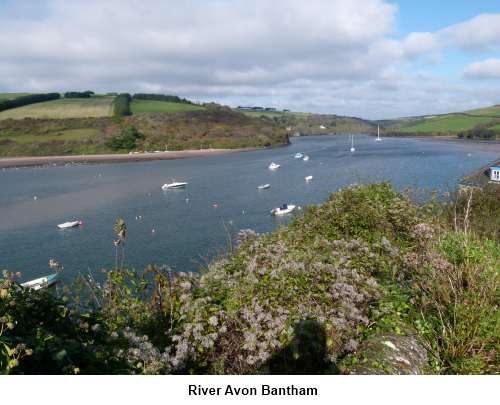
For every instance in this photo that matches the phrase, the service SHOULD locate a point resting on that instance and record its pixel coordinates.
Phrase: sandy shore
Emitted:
(111, 158)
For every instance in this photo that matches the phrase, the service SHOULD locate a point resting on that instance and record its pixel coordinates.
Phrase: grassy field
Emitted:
(11, 96)
(273, 114)
(146, 106)
(82, 134)
(63, 108)
(446, 124)
(488, 111)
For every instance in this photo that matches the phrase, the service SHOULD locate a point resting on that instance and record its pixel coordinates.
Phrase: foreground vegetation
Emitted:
(302, 299)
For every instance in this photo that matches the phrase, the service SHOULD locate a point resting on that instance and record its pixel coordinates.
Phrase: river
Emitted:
(187, 228)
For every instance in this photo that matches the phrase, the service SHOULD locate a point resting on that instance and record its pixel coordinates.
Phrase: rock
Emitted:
(391, 354)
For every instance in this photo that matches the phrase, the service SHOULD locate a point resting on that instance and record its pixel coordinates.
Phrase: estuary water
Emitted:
(186, 228)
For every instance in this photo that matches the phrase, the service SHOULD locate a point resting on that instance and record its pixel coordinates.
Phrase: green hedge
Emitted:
(121, 105)
(25, 100)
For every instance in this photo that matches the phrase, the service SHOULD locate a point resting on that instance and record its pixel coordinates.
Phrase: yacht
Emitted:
(378, 138)
(264, 186)
(42, 282)
(353, 149)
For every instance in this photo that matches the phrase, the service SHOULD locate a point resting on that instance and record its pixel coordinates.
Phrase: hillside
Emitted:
(213, 127)
(478, 123)
(313, 124)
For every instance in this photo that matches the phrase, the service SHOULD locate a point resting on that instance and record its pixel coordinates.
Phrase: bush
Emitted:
(126, 140)
(26, 100)
(121, 105)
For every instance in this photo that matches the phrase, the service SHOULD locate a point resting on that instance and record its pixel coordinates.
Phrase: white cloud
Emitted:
(486, 69)
(326, 55)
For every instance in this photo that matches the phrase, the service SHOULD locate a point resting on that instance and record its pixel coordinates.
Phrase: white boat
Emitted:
(298, 155)
(274, 166)
(69, 224)
(353, 149)
(264, 186)
(378, 138)
(41, 282)
(283, 210)
(306, 158)
(173, 185)
(308, 178)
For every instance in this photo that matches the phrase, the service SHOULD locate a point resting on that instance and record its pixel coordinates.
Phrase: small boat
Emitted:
(298, 155)
(378, 138)
(353, 149)
(308, 178)
(69, 224)
(42, 282)
(306, 158)
(274, 166)
(173, 185)
(264, 186)
(283, 210)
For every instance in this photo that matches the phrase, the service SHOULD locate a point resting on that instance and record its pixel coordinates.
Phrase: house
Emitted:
(495, 173)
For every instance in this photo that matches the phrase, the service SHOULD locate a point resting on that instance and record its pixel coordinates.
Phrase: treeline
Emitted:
(161, 97)
(78, 94)
(479, 132)
(121, 105)
(26, 100)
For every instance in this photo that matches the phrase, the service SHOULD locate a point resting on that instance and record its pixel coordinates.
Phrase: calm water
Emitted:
(188, 228)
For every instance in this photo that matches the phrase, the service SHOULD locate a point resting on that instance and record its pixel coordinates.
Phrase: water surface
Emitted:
(191, 226)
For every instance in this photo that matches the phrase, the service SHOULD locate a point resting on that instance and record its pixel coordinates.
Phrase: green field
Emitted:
(446, 123)
(83, 134)
(488, 111)
(11, 96)
(63, 108)
(147, 106)
(273, 114)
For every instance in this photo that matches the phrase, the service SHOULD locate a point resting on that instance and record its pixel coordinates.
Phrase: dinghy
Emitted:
(42, 282)
(308, 178)
(264, 186)
(283, 210)
(69, 224)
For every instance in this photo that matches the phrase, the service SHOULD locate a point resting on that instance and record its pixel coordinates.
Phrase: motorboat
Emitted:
(42, 282)
(69, 224)
(298, 155)
(305, 158)
(283, 210)
(308, 178)
(174, 185)
(274, 166)
(264, 186)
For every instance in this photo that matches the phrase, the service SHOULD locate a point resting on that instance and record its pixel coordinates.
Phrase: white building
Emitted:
(495, 173)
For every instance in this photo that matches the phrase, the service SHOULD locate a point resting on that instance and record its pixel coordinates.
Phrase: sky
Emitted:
(368, 58)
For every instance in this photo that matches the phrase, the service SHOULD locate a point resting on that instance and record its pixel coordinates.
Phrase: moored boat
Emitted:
(298, 155)
(308, 178)
(42, 282)
(173, 185)
(69, 224)
(306, 158)
(264, 186)
(274, 166)
(283, 210)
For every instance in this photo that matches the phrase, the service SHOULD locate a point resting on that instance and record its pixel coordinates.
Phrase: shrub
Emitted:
(161, 97)
(126, 140)
(121, 105)
(78, 94)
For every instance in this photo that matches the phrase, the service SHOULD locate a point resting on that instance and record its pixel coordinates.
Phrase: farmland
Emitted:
(100, 106)
(446, 124)
(11, 96)
(150, 106)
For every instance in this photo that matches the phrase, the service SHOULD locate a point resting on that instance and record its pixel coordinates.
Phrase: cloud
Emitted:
(486, 69)
(316, 55)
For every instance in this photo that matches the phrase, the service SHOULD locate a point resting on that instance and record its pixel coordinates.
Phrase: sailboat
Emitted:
(378, 138)
(353, 149)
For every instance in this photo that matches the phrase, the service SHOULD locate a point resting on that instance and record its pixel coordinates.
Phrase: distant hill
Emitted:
(313, 124)
(478, 123)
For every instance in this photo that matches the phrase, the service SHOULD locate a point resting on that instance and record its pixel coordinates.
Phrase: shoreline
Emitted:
(17, 162)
